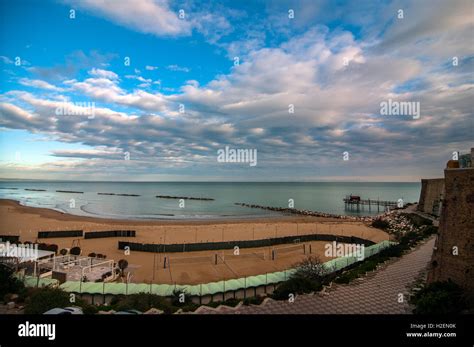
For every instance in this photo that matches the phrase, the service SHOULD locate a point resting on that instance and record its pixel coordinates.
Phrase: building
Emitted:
(431, 196)
(453, 256)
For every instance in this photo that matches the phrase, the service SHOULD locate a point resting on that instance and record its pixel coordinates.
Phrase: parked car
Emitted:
(65, 310)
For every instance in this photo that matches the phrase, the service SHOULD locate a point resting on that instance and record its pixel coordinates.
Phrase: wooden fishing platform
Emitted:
(355, 202)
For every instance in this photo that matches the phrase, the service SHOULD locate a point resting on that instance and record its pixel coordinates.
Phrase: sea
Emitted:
(316, 196)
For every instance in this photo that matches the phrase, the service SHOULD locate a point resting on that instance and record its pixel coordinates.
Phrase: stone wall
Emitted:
(431, 195)
(453, 256)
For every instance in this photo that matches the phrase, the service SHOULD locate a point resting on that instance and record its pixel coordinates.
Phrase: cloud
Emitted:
(39, 84)
(6, 60)
(332, 79)
(151, 68)
(175, 67)
(74, 62)
(146, 16)
(103, 74)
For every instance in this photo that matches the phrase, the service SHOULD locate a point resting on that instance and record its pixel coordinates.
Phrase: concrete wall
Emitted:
(101, 299)
(432, 191)
(456, 229)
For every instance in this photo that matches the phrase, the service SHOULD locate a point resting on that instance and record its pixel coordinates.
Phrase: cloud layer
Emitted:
(301, 103)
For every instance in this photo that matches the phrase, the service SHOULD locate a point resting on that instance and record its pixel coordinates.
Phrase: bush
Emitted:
(295, 285)
(75, 251)
(430, 230)
(411, 238)
(380, 224)
(360, 269)
(311, 268)
(44, 299)
(180, 298)
(86, 308)
(9, 284)
(52, 248)
(142, 302)
(439, 298)
(122, 264)
(255, 300)
(417, 220)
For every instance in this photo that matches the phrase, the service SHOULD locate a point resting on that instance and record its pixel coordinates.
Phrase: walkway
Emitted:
(376, 293)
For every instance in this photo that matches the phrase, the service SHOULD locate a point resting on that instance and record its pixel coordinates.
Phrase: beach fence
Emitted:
(59, 233)
(109, 233)
(10, 238)
(215, 246)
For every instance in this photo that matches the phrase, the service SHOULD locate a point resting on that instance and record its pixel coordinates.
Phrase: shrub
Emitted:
(63, 251)
(417, 220)
(254, 300)
(231, 302)
(439, 298)
(9, 284)
(311, 268)
(142, 302)
(295, 285)
(75, 251)
(44, 299)
(411, 238)
(380, 224)
(122, 264)
(430, 230)
(180, 298)
(87, 308)
(52, 248)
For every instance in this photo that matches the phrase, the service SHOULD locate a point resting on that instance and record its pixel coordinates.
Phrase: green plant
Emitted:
(311, 268)
(122, 264)
(143, 302)
(180, 298)
(75, 251)
(380, 224)
(9, 284)
(430, 230)
(254, 300)
(295, 285)
(417, 220)
(44, 299)
(439, 298)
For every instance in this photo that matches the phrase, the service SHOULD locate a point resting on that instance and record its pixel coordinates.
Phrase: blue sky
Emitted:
(182, 97)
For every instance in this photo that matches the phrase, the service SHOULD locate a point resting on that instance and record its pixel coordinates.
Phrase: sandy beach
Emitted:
(188, 267)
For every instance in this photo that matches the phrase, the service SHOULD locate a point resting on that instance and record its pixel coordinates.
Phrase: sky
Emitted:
(152, 90)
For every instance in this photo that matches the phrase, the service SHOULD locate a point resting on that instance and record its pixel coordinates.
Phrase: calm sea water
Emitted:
(321, 196)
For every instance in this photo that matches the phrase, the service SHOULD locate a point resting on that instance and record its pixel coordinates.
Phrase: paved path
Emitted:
(378, 292)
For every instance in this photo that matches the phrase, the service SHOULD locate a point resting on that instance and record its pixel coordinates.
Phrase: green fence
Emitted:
(214, 287)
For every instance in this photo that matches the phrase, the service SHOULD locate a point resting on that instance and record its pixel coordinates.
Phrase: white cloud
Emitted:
(146, 16)
(336, 106)
(103, 74)
(39, 84)
(175, 67)
(6, 60)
